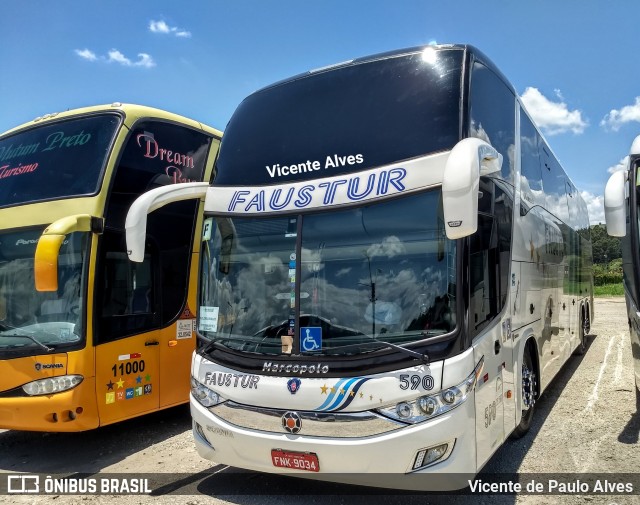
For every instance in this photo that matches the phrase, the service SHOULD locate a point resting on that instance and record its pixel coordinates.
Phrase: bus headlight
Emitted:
(52, 385)
(207, 397)
(430, 406)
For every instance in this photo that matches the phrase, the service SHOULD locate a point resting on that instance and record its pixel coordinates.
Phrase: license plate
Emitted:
(307, 461)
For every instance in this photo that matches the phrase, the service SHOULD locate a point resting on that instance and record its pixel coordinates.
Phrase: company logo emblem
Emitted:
(19, 484)
(296, 368)
(293, 385)
(46, 366)
(291, 422)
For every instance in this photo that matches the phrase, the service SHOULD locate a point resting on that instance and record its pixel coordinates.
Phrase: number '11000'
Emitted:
(128, 368)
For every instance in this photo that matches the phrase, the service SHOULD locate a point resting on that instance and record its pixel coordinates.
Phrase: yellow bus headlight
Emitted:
(52, 385)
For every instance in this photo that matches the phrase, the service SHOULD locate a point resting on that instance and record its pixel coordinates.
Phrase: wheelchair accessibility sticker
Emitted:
(311, 338)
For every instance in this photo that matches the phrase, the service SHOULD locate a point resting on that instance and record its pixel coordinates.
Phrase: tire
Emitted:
(583, 329)
(528, 370)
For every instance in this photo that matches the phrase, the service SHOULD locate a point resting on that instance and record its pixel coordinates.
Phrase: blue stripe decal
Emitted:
(342, 396)
(352, 396)
(331, 395)
(338, 400)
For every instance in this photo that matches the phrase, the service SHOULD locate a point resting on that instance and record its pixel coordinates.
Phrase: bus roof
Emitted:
(132, 113)
(472, 52)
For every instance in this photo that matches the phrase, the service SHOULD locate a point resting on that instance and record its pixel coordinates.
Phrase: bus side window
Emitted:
(492, 115)
(490, 259)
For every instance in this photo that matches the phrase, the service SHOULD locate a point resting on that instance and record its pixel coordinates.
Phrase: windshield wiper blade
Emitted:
(33, 339)
(422, 356)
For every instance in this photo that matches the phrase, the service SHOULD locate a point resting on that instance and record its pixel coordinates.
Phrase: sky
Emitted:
(571, 61)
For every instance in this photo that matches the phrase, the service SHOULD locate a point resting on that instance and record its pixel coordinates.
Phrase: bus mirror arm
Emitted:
(469, 159)
(45, 264)
(136, 222)
(615, 214)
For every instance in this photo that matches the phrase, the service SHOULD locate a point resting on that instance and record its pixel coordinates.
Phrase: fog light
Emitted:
(426, 457)
(198, 429)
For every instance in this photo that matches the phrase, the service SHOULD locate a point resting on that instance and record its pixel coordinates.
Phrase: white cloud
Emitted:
(553, 117)
(595, 206)
(86, 54)
(622, 165)
(144, 60)
(118, 57)
(159, 27)
(114, 56)
(162, 27)
(617, 117)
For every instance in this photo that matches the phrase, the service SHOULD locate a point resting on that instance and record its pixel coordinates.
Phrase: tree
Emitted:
(605, 248)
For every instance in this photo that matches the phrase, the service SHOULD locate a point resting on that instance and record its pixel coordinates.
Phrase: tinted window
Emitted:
(554, 184)
(55, 160)
(341, 120)
(490, 258)
(493, 115)
(150, 295)
(156, 154)
(531, 175)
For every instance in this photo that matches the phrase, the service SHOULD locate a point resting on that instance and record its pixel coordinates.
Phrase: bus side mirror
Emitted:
(470, 159)
(45, 265)
(615, 214)
(136, 221)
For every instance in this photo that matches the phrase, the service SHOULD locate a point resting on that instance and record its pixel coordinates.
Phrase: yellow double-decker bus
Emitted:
(88, 338)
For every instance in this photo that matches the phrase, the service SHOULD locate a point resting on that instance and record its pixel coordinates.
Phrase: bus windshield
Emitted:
(30, 320)
(55, 160)
(345, 282)
(360, 116)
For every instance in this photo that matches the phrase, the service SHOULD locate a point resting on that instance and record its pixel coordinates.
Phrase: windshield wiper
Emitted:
(220, 340)
(422, 356)
(33, 339)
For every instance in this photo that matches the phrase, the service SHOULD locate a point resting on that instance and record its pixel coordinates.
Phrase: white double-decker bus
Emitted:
(622, 215)
(394, 267)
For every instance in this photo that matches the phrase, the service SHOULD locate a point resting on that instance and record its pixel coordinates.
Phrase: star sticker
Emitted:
(370, 397)
(139, 380)
(147, 377)
(110, 385)
(323, 389)
(361, 394)
(120, 383)
(352, 394)
(342, 391)
(333, 390)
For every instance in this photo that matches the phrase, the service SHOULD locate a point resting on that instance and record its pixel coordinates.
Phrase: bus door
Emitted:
(489, 324)
(176, 350)
(127, 354)
(142, 316)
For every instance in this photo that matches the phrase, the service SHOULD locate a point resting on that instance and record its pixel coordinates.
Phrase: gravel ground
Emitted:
(587, 424)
